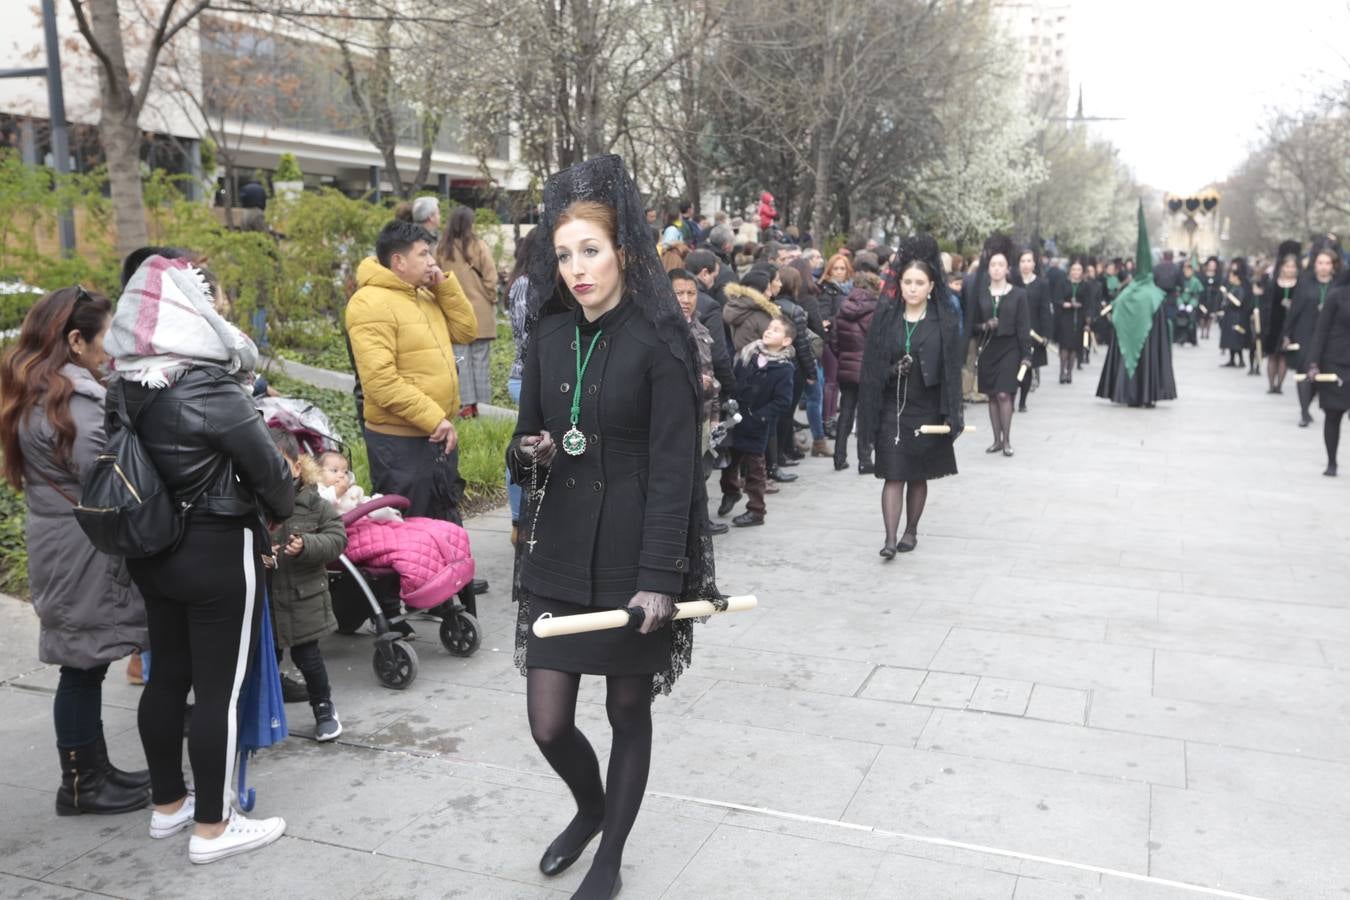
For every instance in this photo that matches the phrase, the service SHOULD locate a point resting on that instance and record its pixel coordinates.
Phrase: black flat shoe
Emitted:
(1305, 422)
(994, 448)
(1331, 470)
(716, 528)
(1007, 451)
(555, 860)
(1021, 409)
(728, 503)
(613, 892)
(888, 552)
(840, 466)
(907, 543)
(866, 468)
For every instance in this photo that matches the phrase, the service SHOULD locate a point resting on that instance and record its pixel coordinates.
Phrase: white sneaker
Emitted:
(164, 825)
(241, 835)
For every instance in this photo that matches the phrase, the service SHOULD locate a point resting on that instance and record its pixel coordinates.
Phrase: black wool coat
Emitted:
(614, 520)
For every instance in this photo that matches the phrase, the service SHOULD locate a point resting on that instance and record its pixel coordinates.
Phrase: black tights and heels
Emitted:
(609, 809)
(1331, 435)
(1000, 422)
(902, 496)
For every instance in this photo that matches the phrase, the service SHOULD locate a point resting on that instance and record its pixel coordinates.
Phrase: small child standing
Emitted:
(302, 608)
(764, 373)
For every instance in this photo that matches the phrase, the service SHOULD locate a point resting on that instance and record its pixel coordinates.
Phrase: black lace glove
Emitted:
(958, 425)
(655, 610)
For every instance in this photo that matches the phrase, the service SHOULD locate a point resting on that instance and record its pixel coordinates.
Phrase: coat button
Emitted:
(573, 345)
(679, 564)
(571, 482)
(591, 390)
(604, 342)
(596, 486)
(565, 387)
(594, 438)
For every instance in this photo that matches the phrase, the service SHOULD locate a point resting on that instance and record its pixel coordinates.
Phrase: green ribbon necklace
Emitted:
(910, 328)
(574, 442)
(1322, 295)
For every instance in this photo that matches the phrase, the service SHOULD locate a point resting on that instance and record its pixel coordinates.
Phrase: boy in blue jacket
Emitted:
(764, 372)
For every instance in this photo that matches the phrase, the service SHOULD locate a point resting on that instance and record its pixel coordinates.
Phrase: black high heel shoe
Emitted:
(888, 552)
(557, 860)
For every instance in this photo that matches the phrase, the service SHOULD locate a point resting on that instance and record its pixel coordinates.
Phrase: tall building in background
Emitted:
(1041, 30)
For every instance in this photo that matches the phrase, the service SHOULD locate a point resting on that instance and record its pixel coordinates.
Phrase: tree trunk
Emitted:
(431, 129)
(119, 131)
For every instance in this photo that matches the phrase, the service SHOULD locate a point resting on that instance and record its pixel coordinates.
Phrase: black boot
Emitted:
(139, 779)
(85, 787)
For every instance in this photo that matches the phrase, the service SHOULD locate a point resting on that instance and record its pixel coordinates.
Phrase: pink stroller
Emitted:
(421, 564)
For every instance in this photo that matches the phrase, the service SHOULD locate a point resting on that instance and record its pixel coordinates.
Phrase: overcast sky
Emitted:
(1192, 77)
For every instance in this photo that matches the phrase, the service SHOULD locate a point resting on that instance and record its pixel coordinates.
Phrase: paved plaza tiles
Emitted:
(1117, 666)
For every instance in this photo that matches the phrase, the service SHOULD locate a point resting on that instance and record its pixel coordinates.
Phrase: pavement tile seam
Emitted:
(40, 882)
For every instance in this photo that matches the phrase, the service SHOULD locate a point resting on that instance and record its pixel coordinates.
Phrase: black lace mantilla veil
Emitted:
(605, 179)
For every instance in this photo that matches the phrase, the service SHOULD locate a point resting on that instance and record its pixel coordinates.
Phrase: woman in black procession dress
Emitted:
(1330, 354)
(1070, 302)
(1211, 299)
(1234, 324)
(1301, 321)
(1275, 302)
(607, 447)
(911, 376)
(998, 318)
(1041, 313)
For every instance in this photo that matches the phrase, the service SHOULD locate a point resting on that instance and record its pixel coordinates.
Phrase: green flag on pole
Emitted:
(1132, 313)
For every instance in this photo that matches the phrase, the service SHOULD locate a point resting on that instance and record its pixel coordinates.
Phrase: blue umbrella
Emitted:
(262, 709)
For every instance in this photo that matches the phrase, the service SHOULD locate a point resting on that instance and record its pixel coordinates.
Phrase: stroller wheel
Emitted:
(460, 633)
(395, 664)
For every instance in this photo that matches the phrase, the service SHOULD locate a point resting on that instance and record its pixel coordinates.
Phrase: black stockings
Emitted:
(1066, 358)
(1331, 434)
(895, 499)
(1024, 389)
(551, 698)
(1000, 417)
(1277, 367)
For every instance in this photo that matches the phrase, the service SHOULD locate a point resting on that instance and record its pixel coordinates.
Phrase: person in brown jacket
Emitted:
(749, 308)
(466, 256)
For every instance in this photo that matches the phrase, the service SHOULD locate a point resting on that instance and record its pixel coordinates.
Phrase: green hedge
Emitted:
(13, 545)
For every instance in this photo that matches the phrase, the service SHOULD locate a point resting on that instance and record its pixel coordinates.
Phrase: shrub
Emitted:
(13, 543)
(288, 169)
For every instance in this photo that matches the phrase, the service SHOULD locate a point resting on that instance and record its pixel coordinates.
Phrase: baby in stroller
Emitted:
(340, 488)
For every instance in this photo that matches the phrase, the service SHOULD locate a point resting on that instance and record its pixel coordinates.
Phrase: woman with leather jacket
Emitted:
(184, 372)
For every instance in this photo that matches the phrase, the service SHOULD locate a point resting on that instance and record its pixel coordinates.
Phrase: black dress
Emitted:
(604, 530)
(1000, 353)
(1069, 322)
(1275, 303)
(909, 402)
(1041, 317)
(1235, 315)
(1331, 351)
(1301, 322)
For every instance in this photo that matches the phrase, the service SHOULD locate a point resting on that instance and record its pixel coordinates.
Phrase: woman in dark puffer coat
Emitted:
(850, 327)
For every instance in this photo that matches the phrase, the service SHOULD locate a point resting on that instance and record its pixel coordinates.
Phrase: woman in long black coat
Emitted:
(1330, 354)
(911, 377)
(1236, 303)
(1301, 322)
(607, 446)
(999, 319)
(1041, 315)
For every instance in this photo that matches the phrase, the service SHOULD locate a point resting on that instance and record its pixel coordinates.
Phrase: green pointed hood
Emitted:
(1132, 313)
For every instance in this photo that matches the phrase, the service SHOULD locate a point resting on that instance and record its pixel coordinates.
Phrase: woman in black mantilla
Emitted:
(1235, 321)
(607, 449)
(1276, 299)
(1041, 315)
(1301, 322)
(999, 319)
(1330, 353)
(911, 376)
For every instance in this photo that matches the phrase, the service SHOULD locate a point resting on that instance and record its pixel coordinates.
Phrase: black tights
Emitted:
(1277, 367)
(1235, 357)
(1024, 389)
(1000, 417)
(1066, 358)
(551, 699)
(1305, 397)
(1331, 434)
(894, 498)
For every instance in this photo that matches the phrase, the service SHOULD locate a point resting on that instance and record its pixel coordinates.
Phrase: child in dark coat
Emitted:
(764, 374)
(302, 608)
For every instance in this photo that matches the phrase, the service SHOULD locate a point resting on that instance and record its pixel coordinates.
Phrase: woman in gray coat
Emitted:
(51, 429)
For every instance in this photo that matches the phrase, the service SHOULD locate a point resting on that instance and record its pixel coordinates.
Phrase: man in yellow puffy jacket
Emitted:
(402, 322)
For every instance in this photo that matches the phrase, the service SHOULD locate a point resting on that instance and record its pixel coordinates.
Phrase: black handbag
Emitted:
(125, 507)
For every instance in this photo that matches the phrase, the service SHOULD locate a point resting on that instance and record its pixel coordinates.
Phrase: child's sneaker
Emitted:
(241, 835)
(164, 825)
(326, 724)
